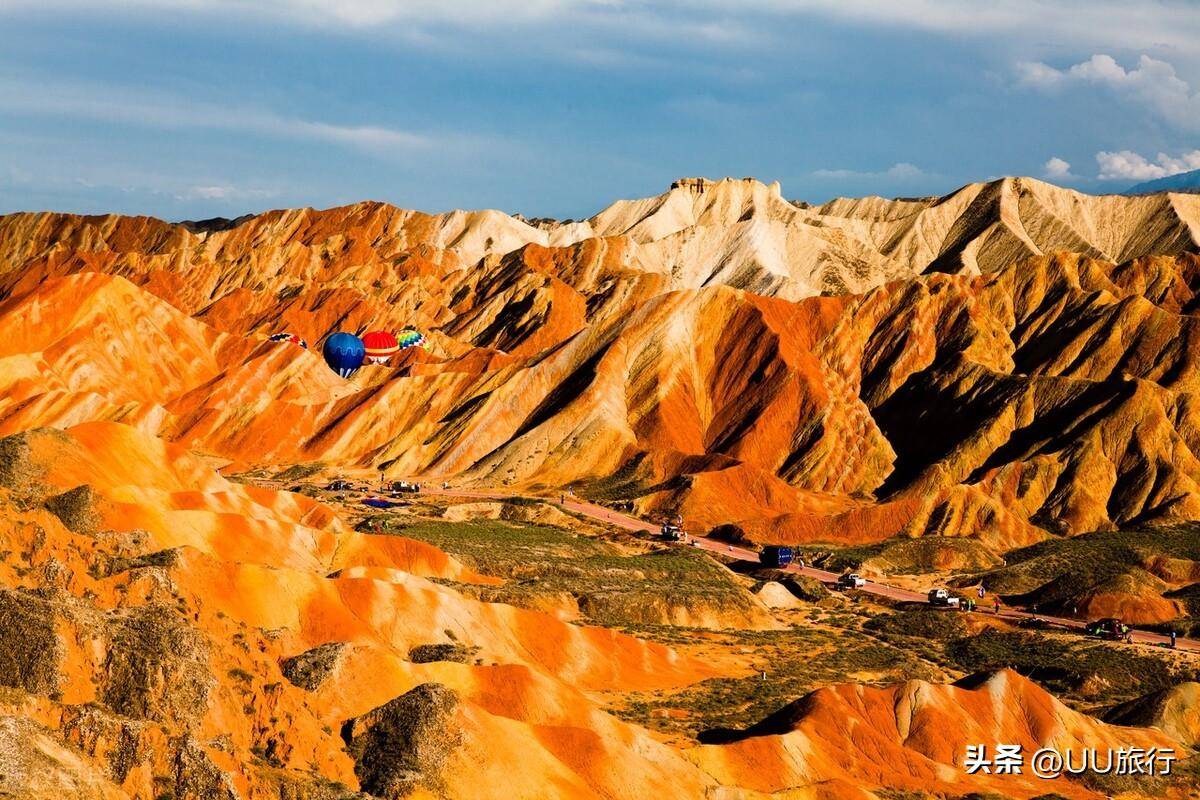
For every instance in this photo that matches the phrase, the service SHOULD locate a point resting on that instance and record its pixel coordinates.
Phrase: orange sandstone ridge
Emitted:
(677, 342)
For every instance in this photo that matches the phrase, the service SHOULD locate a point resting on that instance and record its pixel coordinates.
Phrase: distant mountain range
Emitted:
(734, 232)
(988, 362)
(1183, 182)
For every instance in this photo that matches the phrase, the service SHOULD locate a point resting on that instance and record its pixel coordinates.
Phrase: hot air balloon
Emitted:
(287, 337)
(410, 338)
(344, 353)
(380, 346)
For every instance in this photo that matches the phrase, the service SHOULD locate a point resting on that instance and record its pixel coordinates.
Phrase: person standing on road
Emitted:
(981, 591)
(1173, 635)
(996, 601)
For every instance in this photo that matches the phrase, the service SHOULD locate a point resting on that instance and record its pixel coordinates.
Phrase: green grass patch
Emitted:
(545, 564)
(903, 555)
(299, 472)
(923, 623)
(1068, 667)
(1092, 558)
(795, 662)
(1053, 575)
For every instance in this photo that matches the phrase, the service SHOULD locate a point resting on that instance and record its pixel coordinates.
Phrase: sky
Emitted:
(188, 109)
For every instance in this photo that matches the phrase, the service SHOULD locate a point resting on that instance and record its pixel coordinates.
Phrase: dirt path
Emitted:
(602, 514)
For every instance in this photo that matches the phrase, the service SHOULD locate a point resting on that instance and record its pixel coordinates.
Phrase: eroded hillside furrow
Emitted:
(562, 353)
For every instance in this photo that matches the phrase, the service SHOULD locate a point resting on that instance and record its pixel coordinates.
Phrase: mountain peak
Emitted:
(704, 184)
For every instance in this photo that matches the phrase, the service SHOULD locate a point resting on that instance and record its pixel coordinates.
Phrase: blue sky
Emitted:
(198, 108)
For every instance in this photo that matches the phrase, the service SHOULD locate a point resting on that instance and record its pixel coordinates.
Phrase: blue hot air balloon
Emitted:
(344, 353)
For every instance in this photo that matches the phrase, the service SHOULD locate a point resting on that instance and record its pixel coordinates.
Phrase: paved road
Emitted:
(620, 520)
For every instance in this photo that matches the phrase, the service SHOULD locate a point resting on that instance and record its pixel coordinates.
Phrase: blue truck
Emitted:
(776, 556)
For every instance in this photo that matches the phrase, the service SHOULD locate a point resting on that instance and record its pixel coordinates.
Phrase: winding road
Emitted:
(620, 520)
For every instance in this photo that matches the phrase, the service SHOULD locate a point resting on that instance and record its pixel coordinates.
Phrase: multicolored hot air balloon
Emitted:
(410, 338)
(287, 337)
(344, 353)
(380, 346)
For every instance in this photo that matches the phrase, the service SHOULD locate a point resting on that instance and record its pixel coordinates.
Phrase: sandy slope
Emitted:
(146, 652)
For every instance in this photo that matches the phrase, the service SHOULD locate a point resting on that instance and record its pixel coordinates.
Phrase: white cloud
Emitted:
(84, 179)
(1099, 23)
(369, 137)
(364, 14)
(210, 192)
(225, 192)
(904, 170)
(1038, 75)
(1130, 166)
(1114, 22)
(1153, 84)
(1094, 23)
(115, 104)
(899, 171)
(1057, 169)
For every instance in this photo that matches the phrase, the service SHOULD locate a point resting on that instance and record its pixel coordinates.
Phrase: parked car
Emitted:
(672, 532)
(941, 597)
(1108, 628)
(851, 580)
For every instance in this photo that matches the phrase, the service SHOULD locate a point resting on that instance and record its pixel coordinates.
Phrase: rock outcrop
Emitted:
(913, 736)
(1174, 711)
(405, 743)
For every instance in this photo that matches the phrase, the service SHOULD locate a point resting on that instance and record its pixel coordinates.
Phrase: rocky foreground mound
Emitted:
(168, 633)
(910, 736)
(179, 635)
